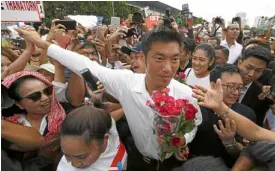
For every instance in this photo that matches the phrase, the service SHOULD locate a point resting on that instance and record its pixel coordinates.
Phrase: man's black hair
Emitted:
(217, 39)
(224, 50)
(221, 69)
(258, 52)
(159, 35)
(189, 45)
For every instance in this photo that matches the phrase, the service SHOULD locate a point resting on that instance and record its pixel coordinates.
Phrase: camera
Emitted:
(236, 19)
(218, 20)
(168, 19)
(137, 18)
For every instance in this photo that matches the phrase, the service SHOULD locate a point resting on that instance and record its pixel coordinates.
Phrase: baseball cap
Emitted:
(48, 67)
(127, 50)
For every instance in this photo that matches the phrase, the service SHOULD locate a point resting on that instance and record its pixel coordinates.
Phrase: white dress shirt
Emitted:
(117, 65)
(234, 51)
(129, 88)
(115, 152)
(243, 92)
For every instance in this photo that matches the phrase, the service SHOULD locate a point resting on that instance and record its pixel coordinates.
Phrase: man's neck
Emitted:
(230, 41)
(149, 87)
(184, 64)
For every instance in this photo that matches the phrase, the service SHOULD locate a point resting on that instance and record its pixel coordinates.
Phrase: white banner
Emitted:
(19, 11)
(87, 21)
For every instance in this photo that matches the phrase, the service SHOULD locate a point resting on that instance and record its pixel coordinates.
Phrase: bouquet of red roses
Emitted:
(173, 119)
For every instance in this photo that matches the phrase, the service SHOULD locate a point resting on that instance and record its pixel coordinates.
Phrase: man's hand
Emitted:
(56, 30)
(100, 46)
(227, 131)
(31, 36)
(118, 34)
(112, 106)
(210, 98)
(265, 92)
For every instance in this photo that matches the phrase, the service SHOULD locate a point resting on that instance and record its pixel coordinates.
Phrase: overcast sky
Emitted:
(227, 8)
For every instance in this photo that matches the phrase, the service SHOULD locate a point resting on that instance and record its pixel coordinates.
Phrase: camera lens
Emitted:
(137, 18)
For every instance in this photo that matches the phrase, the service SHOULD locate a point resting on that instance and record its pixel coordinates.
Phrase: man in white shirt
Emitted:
(162, 53)
(235, 49)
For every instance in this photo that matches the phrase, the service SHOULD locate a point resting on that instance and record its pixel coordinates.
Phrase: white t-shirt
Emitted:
(192, 80)
(114, 153)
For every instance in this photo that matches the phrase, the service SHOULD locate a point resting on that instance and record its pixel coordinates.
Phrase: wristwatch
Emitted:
(231, 146)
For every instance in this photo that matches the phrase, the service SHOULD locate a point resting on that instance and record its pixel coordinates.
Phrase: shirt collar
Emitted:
(140, 86)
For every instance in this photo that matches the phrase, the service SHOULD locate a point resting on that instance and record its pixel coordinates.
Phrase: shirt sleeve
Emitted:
(60, 91)
(114, 81)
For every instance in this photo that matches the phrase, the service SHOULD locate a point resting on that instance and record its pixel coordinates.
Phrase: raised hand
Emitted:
(30, 35)
(227, 131)
(210, 98)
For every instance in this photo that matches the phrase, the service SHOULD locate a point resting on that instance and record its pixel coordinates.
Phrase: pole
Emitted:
(113, 6)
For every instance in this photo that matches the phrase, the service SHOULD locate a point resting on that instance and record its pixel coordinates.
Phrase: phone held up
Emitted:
(89, 78)
(68, 24)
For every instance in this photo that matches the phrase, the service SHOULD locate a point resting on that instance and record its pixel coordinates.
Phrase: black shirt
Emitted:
(189, 65)
(207, 142)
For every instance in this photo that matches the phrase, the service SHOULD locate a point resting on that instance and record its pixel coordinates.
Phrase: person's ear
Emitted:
(19, 105)
(105, 142)
(239, 63)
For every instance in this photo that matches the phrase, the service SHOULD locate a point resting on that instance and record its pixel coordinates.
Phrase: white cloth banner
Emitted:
(87, 21)
(19, 11)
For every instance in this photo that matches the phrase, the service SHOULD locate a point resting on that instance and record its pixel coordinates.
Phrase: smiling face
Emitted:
(200, 63)
(232, 82)
(162, 62)
(39, 107)
(79, 153)
(138, 62)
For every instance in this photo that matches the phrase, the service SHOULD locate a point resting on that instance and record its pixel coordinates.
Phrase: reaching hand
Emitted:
(227, 131)
(119, 34)
(210, 98)
(31, 36)
(55, 31)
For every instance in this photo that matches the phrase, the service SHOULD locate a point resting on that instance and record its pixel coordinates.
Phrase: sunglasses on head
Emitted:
(37, 95)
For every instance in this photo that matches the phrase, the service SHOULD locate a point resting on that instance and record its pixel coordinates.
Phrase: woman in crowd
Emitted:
(202, 63)
(34, 95)
(89, 141)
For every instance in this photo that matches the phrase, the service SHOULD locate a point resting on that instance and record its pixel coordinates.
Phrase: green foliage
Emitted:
(59, 9)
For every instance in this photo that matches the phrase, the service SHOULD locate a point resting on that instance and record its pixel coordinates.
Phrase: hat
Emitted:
(48, 67)
(127, 50)
(6, 101)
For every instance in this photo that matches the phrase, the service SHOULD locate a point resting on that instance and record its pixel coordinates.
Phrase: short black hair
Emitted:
(210, 53)
(258, 52)
(162, 34)
(224, 50)
(217, 39)
(203, 163)
(189, 45)
(256, 42)
(221, 69)
(89, 122)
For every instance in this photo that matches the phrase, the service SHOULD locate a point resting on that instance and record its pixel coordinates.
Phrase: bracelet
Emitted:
(231, 145)
(224, 114)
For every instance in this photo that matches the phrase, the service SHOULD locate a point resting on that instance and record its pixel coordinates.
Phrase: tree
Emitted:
(59, 9)
(246, 27)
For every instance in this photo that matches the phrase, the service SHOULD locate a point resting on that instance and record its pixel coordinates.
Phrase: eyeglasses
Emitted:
(37, 95)
(232, 89)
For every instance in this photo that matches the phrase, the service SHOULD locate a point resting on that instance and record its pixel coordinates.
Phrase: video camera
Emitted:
(168, 19)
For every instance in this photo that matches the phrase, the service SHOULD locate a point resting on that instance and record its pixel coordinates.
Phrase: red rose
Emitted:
(182, 75)
(165, 90)
(190, 112)
(175, 141)
(180, 103)
(148, 103)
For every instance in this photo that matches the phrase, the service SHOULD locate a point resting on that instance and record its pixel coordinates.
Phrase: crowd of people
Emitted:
(76, 99)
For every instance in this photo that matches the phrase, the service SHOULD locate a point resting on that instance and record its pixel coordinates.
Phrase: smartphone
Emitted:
(99, 34)
(89, 79)
(68, 24)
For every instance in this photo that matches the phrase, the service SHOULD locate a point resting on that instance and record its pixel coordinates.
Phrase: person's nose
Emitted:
(167, 66)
